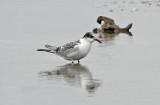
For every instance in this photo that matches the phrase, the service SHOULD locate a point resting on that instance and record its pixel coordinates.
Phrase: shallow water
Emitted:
(123, 70)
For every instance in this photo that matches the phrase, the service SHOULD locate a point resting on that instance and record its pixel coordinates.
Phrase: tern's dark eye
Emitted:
(91, 36)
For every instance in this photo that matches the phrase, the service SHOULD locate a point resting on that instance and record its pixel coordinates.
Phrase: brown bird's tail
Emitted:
(128, 27)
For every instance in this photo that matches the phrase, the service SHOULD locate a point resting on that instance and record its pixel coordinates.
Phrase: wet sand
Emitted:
(123, 70)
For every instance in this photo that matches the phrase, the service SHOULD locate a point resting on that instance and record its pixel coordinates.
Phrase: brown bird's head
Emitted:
(100, 19)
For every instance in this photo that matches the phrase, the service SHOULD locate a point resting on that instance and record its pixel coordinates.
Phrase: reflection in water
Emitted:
(110, 36)
(73, 75)
(113, 34)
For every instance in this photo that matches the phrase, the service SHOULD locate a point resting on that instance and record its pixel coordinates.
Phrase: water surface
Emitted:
(123, 70)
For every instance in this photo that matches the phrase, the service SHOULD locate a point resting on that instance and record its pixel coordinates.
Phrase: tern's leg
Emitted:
(72, 62)
(78, 61)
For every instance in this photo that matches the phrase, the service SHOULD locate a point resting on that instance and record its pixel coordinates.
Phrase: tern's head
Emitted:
(90, 38)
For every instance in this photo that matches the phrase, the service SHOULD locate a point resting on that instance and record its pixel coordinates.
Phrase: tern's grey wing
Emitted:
(51, 47)
(67, 49)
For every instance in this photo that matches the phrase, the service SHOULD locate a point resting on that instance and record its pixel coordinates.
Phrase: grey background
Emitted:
(126, 68)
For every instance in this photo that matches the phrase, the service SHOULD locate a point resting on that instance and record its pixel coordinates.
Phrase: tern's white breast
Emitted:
(84, 49)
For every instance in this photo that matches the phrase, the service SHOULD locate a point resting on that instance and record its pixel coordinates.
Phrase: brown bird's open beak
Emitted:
(97, 40)
(99, 21)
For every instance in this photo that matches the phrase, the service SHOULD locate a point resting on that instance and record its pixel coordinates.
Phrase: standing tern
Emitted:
(74, 50)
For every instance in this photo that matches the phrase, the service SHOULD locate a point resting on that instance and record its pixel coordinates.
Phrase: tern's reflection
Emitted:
(74, 75)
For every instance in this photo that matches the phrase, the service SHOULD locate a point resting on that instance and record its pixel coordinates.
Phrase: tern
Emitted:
(74, 50)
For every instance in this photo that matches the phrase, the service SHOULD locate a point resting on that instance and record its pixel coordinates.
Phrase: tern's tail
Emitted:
(50, 49)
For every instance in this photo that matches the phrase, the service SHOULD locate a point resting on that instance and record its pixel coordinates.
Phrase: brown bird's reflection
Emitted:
(73, 75)
(113, 34)
(109, 35)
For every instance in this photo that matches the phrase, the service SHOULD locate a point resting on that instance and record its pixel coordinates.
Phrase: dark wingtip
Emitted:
(47, 50)
(39, 49)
